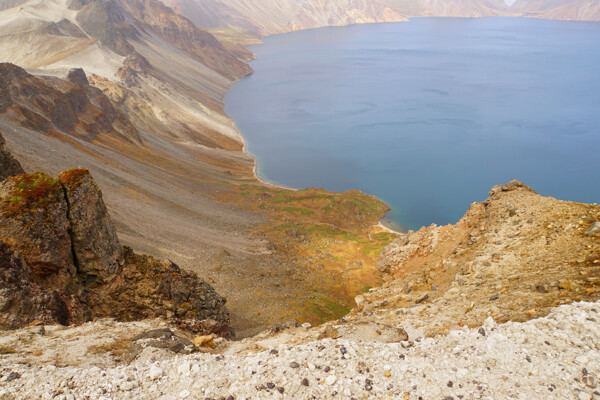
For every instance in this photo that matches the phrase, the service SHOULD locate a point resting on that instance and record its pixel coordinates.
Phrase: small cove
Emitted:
(427, 114)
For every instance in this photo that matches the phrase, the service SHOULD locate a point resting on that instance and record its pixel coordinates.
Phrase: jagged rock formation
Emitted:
(62, 262)
(512, 256)
(22, 300)
(96, 248)
(70, 106)
(9, 166)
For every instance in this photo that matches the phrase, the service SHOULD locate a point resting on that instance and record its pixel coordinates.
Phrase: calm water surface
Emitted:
(429, 114)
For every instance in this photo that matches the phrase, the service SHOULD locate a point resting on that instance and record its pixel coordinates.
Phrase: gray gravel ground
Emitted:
(556, 357)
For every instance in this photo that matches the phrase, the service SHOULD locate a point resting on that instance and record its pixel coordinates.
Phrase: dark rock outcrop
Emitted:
(9, 166)
(22, 301)
(94, 241)
(61, 261)
(70, 106)
(160, 339)
(34, 222)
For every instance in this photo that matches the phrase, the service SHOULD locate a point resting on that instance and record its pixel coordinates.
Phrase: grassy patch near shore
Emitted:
(334, 238)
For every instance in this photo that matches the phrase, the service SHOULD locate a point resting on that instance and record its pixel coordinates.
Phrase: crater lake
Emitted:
(428, 114)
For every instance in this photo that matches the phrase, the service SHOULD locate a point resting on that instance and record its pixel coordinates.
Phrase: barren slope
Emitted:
(260, 18)
(577, 10)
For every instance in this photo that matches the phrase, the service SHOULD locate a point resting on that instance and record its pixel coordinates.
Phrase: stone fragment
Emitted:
(566, 284)
(422, 298)
(205, 341)
(155, 372)
(543, 288)
(13, 376)
(594, 229)
(160, 339)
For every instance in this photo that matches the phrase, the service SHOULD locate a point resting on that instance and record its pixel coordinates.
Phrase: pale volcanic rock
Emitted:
(553, 357)
(513, 256)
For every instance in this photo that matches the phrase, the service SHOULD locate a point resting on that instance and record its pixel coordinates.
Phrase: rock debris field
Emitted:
(555, 357)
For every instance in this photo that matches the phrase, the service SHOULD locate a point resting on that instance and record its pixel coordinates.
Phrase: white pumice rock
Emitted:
(513, 360)
(155, 372)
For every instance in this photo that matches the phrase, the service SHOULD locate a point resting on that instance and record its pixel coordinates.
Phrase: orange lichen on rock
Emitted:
(73, 177)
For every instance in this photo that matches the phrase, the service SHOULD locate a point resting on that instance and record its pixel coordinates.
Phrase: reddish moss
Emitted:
(29, 192)
(73, 177)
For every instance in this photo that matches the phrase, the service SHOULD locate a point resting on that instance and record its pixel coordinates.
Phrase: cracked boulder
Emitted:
(96, 248)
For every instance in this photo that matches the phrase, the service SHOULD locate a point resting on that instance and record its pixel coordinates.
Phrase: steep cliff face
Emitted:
(577, 10)
(260, 18)
(184, 35)
(61, 262)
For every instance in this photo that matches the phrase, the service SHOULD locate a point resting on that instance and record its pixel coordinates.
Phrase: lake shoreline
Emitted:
(323, 140)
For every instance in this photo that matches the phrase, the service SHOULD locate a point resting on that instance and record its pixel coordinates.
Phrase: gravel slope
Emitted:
(555, 357)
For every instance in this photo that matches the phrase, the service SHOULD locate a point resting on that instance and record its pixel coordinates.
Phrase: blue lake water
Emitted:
(429, 114)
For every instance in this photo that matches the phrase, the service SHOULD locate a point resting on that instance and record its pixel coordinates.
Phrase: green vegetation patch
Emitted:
(326, 308)
(29, 192)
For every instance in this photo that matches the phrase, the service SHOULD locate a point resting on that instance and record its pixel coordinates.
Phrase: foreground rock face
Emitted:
(34, 223)
(513, 256)
(95, 245)
(21, 298)
(62, 262)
